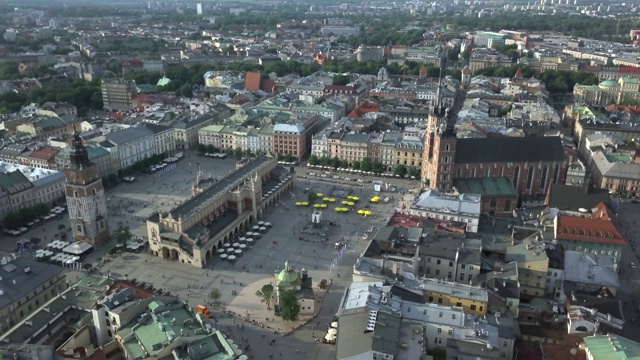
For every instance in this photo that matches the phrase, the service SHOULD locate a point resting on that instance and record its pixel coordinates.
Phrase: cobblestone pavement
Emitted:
(262, 261)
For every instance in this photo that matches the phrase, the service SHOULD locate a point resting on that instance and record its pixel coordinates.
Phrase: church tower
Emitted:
(438, 159)
(85, 196)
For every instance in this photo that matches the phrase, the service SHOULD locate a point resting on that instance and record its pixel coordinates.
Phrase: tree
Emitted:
(238, 152)
(266, 293)
(400, 170)
(366, 164)
(414, 171)
(312, 196)
(288, 158)
(215, 295)
(355, 165)
(201, 149)
(341, 80)
(123, 234)
(289, 306)
(61, 227)
(87, 266)
(313, 160)
(210, 149)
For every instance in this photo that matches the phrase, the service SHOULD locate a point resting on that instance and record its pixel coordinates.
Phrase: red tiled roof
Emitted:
(268, 85)
(629, 69)
(46, 153)
(599, 228)
(252, 81)
(364, 108)
(405, 220)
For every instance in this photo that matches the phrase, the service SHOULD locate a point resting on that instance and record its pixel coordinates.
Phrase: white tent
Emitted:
(77, 248)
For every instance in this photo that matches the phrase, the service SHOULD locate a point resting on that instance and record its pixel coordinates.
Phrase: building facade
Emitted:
(117, 94)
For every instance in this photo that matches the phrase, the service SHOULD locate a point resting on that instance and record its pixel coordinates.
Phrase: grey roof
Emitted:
(157, 129)
(128, 135)
(465, 203)
(352, 339)
(16, 283)
(357, 138)
(507, 149)
(588, 268)
(195, 122)
(567, 197)
(386, 333)
(57, 176)
(625, 170)
(185, 209)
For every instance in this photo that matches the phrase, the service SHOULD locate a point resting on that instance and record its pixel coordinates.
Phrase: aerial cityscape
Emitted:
(319, 180)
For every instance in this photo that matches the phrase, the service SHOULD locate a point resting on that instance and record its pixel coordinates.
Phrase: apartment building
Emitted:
(483, 58)
(409, 150)
(186, 129)
(472, 299)
(369, 53)
(533, 265)
(26, 285)
(164, 139)
(464, 208)
(43, 127)
(117, 94)
(450, 261)
(595, 234)
(130, 145)
(354, 147)
(617, 171)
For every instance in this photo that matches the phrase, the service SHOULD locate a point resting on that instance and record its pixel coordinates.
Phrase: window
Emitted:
(439, 300)
(473, 172)
(449, 275)
(461, 277)
(492, 203)
(530, 177)
(462, 266)
(543, 177)
(438, 262)
(439, 330)
(450, 263)
(447, 147)
(507, 205)
(428, 259)
(430, 298)
(516, 176)
(450, 332)
(473, 307)
(437, 271)
(458, 304)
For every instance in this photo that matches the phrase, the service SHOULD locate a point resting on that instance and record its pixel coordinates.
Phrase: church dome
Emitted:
(608, 84)
(288, 276)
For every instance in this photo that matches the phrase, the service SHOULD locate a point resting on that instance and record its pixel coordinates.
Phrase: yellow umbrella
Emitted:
(361, 212)
(345, 209)
(351, 203)
(345, 202)
(319, 194)
(326, 199)
(367, 213)
(298, 203)
(323, 206)
(375, 200)
(350, 197)
(332, 200)
(338, 209)
(355, 198)
(316, 205)
(305, 203)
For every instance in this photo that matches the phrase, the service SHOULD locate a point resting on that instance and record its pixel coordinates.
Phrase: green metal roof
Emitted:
(610, 347)
(490, 187)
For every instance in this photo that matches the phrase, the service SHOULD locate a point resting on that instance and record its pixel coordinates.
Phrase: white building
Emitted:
(43, 186)
(464, 208)
(163, 138)
(130, 145)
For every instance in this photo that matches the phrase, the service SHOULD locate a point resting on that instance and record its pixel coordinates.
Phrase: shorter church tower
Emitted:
(465, 77)
(85, 196)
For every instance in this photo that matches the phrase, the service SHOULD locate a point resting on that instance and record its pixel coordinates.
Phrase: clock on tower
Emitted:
(85, 196)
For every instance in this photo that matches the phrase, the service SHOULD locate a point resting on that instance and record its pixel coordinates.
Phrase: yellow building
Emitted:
(473, 299)
(409, 151)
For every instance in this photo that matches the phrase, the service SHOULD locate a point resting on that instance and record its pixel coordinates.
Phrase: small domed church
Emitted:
(297, 280)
